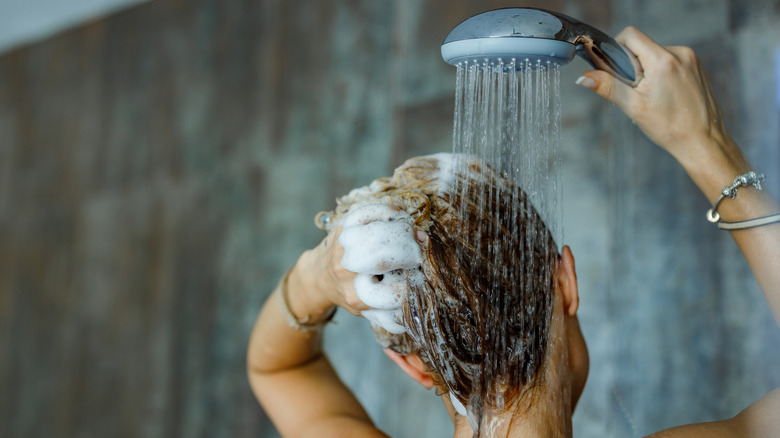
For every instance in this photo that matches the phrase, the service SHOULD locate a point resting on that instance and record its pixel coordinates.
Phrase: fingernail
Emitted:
(584, 81)
(422, 236)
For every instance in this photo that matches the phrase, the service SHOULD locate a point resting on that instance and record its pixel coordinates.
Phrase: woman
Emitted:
(674, 107)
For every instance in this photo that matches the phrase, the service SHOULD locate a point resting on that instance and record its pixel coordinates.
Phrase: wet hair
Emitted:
(481, 320)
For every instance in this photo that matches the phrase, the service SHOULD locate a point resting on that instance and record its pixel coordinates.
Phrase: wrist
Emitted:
(713, 163)
(304, 299)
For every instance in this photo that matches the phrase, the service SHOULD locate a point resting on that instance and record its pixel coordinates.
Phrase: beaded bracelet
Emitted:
(746, 179)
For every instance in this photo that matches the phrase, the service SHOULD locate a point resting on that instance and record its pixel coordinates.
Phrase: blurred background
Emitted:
(161, 163)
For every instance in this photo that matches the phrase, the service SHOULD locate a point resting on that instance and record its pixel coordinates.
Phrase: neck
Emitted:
(545, 412)
(548, 416)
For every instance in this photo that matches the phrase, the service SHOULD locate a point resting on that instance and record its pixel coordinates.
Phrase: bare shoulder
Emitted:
(344, 427)
(715, 429)
(759, 420)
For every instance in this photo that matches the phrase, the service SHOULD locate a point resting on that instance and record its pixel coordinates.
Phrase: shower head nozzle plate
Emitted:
(494, 51)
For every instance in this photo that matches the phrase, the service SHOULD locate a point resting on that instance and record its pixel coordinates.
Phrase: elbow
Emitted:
(255, 363)
(256, 373)
(256, 370)
(256, 359)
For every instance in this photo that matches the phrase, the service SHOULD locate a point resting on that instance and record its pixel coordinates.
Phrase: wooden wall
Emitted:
(160, 169)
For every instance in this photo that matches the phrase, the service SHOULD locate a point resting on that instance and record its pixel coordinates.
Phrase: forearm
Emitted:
(288, 372)
(713, 165)
(276, 346)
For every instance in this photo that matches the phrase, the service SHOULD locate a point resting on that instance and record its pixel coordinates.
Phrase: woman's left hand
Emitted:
(674, 104)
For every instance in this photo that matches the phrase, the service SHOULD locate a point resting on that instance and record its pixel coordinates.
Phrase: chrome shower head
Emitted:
(537, 35)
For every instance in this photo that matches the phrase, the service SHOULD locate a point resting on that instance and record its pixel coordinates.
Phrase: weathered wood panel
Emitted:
(159, 170)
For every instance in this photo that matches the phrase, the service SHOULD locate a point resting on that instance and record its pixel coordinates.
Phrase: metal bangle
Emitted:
(750, 223)
(300, 325)
(746, 179)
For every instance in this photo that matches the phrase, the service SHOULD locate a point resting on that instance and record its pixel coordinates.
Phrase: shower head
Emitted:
(537, 35)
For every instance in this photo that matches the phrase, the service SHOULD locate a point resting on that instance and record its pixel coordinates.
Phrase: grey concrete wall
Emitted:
(160, 169)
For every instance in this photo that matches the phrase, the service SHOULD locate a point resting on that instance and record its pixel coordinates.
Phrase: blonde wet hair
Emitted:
(481, 320)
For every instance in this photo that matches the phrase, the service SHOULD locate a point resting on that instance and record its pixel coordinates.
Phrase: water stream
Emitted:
(507, 118)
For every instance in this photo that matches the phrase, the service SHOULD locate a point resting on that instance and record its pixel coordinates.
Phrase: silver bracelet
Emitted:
(746, 179)
(750, 223)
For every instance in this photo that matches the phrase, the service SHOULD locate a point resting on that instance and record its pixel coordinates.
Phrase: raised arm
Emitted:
(674, 106)
(288, 372)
